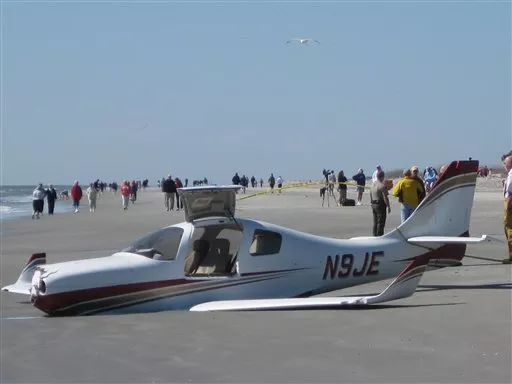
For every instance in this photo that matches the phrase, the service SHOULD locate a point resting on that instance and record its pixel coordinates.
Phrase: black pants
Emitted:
(38, 205)
(179, 204)
(379, 219)
(51, 206)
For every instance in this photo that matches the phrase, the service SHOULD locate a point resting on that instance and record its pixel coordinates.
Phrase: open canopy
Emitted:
(208, 201)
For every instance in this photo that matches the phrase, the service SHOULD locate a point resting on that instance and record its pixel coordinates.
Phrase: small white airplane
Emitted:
(302, 41)
(214, 261)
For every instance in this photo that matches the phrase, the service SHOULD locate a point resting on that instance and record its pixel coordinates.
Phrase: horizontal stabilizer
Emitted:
(448, 239)
(22, 288)
(22, 285)
(404, 285)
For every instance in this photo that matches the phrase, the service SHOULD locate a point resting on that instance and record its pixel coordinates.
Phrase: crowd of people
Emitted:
(243, 182)
(410, 190)
(76, 193)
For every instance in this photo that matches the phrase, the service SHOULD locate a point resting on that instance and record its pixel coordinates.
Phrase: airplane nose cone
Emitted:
(37, 287)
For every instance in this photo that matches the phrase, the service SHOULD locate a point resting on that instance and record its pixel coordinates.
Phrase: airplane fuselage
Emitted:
(305, 265)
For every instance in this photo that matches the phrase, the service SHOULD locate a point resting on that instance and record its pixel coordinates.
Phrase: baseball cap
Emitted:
(414, 168)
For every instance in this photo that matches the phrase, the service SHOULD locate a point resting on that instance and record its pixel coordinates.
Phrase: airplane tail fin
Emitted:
(441, 222)
(22, 285)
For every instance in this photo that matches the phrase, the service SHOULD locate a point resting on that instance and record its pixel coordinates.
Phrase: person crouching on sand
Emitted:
(92, 194)
(126, 190)
(76, 195)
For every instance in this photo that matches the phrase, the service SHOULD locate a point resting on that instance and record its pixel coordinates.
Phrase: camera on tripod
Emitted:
(326, 174)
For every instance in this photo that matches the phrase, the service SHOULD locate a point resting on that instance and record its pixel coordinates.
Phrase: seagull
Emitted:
(303, 41)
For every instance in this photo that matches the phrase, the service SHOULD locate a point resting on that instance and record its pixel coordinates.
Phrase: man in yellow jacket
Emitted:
(409, 192)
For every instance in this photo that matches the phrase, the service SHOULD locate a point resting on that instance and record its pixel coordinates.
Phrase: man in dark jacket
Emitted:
(51, 196)
(169, 190)
(342, 187)
(360, 179)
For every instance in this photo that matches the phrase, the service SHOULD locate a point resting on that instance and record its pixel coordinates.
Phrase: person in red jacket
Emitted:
(76, 195)
(126, 190)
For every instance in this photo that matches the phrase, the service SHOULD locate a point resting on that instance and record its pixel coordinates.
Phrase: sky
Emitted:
(135, 90)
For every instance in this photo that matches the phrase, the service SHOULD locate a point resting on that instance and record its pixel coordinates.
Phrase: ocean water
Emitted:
(16, 201)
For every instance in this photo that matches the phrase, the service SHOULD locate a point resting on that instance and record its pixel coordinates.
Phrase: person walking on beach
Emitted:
(76, 195)
(169, 190)
(280, 183)
(133, 192)
(179, 184)
(271, 182)
(38, 196)
(92, 193)
(126, 190)
(51, 196)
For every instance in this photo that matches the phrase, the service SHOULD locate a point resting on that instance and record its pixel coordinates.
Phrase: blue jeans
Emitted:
(405, 211)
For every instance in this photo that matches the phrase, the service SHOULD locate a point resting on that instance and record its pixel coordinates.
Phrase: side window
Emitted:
(167, 245)
(160, 245)
(265, 243)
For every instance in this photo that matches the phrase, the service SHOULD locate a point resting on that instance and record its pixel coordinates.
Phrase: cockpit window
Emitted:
(159, 245)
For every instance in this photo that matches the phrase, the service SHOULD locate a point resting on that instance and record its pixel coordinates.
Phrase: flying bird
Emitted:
(303, 41)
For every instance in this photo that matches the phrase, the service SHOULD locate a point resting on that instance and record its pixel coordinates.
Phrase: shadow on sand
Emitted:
(440, 287)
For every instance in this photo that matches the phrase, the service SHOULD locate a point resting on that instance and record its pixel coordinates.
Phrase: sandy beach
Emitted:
(456, 328)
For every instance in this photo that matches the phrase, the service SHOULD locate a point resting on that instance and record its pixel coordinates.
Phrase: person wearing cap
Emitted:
(415, 175)
(409, 192)
(360, 179)
(380, 203)
(507, 192)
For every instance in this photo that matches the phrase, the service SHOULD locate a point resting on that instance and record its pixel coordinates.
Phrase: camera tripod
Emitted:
(328, 189)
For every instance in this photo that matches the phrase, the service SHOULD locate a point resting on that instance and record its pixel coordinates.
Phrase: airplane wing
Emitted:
(448, 239)
(404, 285)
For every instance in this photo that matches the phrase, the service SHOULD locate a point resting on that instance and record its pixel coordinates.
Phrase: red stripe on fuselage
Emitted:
(52, 302)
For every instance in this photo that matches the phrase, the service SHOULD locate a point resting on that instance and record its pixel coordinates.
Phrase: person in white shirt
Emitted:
(279, 183)
(332, 181)
(507, 192)
(375, 173)
(38, 196)
(92, 194)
